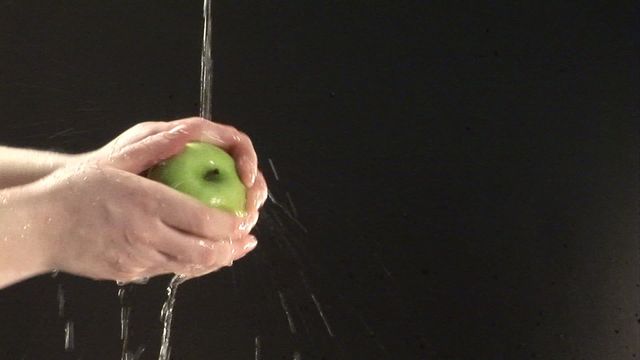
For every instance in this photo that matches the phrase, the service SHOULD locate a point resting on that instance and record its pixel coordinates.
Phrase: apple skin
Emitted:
(207, 173)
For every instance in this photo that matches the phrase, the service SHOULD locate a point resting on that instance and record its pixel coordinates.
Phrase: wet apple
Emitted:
(207, 173)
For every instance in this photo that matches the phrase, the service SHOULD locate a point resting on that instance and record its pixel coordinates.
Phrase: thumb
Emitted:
(142, 155)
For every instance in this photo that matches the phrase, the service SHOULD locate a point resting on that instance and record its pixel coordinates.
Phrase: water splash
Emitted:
(321, 313)
(294, 210)
(167, 316)
(285, 308)
(273, 169)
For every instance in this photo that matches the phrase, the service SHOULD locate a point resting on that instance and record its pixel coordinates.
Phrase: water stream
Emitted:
(206, 64)
(167, 316)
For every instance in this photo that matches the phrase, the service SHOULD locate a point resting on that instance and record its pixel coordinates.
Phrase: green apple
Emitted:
(207, 173)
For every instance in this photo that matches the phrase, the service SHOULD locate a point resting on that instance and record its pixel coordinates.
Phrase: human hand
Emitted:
(102, 221)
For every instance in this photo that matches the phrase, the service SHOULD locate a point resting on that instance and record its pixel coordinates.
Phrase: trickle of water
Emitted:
(125, 311)
(167, 316)
(69, 342)
(61, 301)
(258, 348)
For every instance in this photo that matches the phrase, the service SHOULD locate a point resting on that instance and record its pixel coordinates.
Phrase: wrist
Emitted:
(24, 248)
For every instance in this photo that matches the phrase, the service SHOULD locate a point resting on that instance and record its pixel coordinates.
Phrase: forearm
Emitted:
(22, 166)
(23, 252)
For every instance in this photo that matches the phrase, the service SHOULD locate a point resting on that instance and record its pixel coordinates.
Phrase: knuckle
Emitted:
(198, 122)
(145, 125)
(131, 236)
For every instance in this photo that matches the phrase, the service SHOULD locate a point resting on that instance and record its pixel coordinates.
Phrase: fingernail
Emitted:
(250, 245)
(254, 175)
(249, 179)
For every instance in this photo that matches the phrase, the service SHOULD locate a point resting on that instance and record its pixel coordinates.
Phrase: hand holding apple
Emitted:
(96, 217)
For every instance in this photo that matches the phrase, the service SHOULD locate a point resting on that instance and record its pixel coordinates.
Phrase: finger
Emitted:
(248, 171)
(243, 246)
(178, 210)
(188, 215)
(143, 130)
(191, 250)
(170, 265)
(248, 222)
(140, 156)
(137, 133)
(257, 194)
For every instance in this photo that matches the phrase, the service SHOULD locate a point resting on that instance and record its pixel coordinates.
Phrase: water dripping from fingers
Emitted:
(125, 313)
(69, 341)
(166, 316)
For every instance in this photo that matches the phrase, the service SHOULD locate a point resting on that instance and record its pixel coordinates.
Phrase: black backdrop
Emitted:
(466, 175)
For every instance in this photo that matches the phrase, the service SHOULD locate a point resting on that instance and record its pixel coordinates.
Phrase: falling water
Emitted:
(69, 342)
(206, 63)
(125, 312)
(167, 316)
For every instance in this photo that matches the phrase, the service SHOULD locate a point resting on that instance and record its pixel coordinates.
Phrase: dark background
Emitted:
(466, 175)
